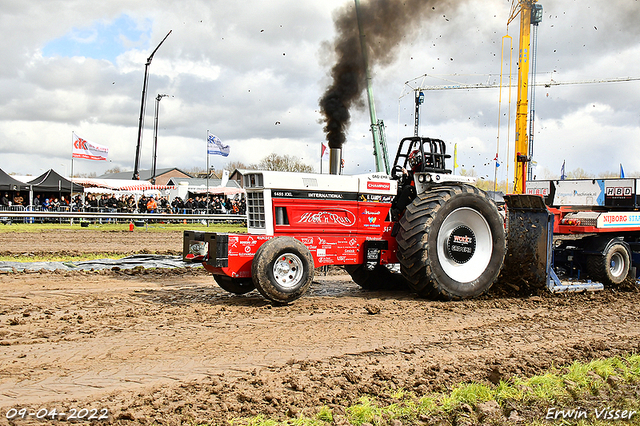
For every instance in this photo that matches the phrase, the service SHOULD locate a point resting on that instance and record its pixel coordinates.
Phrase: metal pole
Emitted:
(136, 165)
(207, 147)
(71, 175)
(155, 139)
(419, 100)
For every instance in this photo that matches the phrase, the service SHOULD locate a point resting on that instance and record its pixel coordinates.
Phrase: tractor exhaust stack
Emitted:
(335, 161)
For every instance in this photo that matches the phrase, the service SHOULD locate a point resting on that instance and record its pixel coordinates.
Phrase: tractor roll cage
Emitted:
(433, 152)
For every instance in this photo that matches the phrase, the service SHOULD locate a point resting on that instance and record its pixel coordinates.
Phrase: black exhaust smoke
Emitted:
(385, 25)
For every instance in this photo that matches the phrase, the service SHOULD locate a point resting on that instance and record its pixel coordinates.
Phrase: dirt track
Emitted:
(170, 346)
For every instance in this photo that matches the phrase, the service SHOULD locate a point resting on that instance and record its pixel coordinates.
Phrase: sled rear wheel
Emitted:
(610, 268)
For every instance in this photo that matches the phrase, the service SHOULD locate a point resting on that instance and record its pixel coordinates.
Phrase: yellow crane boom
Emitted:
(530, 13)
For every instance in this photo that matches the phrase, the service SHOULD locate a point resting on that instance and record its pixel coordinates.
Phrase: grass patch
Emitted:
(124, 227)
(602, 384)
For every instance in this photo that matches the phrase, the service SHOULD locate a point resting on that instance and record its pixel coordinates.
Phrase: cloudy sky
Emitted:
(252, 73)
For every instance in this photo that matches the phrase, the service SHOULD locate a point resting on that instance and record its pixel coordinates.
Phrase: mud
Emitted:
(170, 347)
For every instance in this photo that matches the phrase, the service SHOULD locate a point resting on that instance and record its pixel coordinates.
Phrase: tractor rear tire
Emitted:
(282, 269)
(451, 243)
(381, 278)
(610, 268)
(234, 285)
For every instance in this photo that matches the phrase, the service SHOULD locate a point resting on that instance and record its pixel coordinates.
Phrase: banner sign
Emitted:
(88, 150)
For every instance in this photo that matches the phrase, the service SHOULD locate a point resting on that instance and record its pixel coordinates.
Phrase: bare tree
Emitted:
(238, 165)
(579, 173)
(285, 163)
(116, 169)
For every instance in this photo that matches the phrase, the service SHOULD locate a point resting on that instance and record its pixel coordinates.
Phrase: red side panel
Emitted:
(333, 225)
(309, 216)
(325, 249)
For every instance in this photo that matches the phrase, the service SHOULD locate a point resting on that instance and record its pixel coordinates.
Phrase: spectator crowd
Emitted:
(126, 204)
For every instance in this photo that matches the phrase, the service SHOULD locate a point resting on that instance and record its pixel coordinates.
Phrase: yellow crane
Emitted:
(530, 14)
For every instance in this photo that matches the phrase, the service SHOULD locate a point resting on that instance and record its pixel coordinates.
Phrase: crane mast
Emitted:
(377, 126)
(530, 14)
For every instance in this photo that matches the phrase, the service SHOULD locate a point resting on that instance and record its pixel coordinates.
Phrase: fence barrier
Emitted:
(28, 216)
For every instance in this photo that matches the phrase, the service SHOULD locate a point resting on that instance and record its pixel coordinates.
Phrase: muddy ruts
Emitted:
(385, 25)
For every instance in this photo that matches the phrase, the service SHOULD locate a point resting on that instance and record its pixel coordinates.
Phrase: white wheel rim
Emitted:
(470, 269)
(288, 270)
(616, 265)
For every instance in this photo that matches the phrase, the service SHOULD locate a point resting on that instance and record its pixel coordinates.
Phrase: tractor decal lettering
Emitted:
(461, 239)
(316, 195)
(372, 222)
(325, 195)
(462, 249)
(376, 198)
(338, 217)
(379, 185)
(369, 212)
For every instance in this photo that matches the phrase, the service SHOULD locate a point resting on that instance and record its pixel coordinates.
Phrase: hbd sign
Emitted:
(619, 192)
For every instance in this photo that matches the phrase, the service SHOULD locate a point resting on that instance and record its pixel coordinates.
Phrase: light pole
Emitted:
(155, 139)
(136, 164)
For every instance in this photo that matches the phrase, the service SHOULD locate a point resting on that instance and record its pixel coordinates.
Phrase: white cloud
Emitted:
(253, 73)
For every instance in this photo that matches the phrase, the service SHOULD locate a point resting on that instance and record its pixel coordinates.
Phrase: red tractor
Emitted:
(447, 235)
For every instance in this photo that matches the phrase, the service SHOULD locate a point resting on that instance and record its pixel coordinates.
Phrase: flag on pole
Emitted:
(562, 175)
(496, 160)
(215, 146)
(621, 171)
(87, 150)
(325, 152)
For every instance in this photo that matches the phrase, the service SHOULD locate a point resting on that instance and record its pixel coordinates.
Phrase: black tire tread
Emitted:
(416, 230)
(598, 266)
(263, 261)
(234, 285)
(381, 278)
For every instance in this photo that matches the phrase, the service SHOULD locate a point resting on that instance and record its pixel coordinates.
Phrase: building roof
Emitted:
(144, 174)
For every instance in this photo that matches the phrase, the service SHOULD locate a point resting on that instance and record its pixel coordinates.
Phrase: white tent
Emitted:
(122, 185)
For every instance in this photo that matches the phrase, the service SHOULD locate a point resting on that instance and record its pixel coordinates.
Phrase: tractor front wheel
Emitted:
(234, 285)
(282, 269)
(380, 278)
